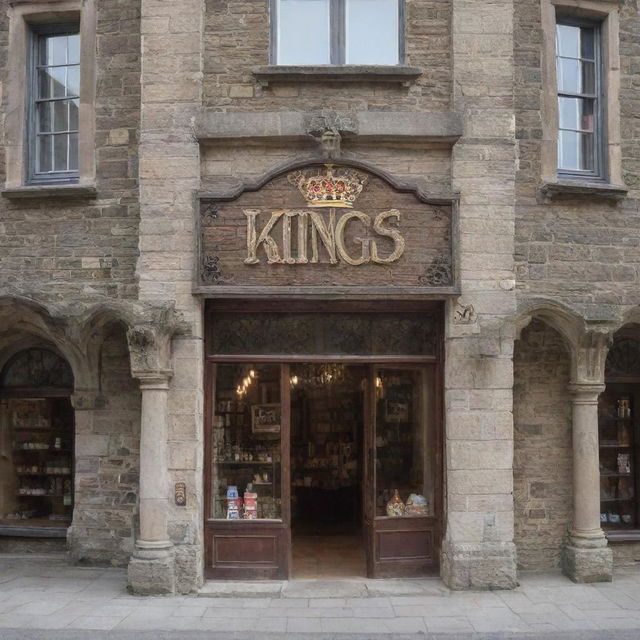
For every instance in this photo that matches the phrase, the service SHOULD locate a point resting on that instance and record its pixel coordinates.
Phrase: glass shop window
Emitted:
(36, 441)
(405, 462)
(314, 32)
(246, 442)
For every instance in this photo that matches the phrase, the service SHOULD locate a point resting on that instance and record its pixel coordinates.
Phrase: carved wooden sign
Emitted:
(326, 227)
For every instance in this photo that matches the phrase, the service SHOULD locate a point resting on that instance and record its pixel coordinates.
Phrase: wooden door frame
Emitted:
(285, 360)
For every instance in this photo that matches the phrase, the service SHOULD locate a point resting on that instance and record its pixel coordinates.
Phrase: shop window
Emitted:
(247, 443)
(620, 438)
(315, 32)
(578, 71)
(36, 443)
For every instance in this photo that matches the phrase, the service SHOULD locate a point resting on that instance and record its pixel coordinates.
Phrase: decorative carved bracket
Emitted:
(464, 314)
(328, 127)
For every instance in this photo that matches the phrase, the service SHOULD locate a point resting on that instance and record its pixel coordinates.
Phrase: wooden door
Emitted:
(402, 455)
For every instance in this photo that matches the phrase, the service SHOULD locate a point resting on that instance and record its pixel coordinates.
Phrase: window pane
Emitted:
(568, 150)
(303, 32)
(73, 115)
(61, 115)
(44, 117)
(588, 44)
(246, 442)
(569, 109)
(569, 77)
(372, 32)
(60, 152)
(404, 455)
(587, 154)
(73, 52)
(51, 82)
(588, 77)
(43, 152)
(73, 152)
(56, 50)
(568, 40)
(73, 81)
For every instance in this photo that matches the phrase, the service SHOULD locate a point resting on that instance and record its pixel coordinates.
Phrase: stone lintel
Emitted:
(587, 565)
(399, 126)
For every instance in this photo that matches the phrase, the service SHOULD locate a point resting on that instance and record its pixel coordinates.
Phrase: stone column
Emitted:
(152, 567)
(587, 558)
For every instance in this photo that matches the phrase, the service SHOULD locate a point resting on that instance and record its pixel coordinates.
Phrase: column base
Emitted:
(587, 564)
(489, 565)
(151, 570)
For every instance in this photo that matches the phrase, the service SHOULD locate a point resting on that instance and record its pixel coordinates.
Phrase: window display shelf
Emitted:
(612, 445)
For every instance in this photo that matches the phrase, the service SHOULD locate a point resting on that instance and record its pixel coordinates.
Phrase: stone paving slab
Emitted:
(57, 598)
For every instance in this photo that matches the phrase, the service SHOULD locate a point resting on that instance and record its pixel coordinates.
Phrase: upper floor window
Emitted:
(315, 32)
(580, 135)
(53, 105)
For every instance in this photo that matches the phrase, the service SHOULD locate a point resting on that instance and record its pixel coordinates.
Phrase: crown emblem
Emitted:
(333, 189)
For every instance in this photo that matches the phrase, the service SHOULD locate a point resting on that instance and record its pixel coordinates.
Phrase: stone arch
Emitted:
(25, 323)
(543, 489)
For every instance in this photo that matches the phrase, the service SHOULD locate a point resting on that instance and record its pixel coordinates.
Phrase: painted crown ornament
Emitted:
(338, 188)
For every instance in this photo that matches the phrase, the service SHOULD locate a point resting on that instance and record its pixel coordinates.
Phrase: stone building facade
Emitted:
(183, 110)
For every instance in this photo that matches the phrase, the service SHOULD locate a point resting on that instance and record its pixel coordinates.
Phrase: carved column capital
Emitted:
(149, 350)
(590, 356)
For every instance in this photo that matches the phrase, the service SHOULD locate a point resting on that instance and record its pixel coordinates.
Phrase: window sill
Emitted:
(631, 535)
(75, 191)
(399, 74)
(578, 188)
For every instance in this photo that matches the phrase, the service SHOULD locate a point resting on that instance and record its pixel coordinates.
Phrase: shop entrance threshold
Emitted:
(322, 588)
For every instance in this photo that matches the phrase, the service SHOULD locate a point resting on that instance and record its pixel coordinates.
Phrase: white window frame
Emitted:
(337, 33)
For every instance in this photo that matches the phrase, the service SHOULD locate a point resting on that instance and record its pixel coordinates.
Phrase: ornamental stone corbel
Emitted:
(328, 127)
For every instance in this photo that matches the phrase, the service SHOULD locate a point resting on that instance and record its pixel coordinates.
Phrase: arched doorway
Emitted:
(36, 445)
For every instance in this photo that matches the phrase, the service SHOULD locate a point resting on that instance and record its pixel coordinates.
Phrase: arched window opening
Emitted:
(36, 444)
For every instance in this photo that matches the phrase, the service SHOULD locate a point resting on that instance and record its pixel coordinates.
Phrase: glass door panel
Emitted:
(404, 456)
(246, 478)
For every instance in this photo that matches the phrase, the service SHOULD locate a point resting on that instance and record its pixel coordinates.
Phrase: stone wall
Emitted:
(56, 248)
(584, 251)
(542, 468)
(237, 39)
(107, 460)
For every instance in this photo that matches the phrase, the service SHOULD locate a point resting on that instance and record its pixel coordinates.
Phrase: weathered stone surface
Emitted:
(588, 565)
(152, 577)
(543, 460)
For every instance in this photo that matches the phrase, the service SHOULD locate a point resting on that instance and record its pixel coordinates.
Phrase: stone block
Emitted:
(478, 566)
(588, 565)
(91, 445)
(150, 577)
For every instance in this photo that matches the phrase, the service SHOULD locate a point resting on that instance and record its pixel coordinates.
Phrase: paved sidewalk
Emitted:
(45, 593)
